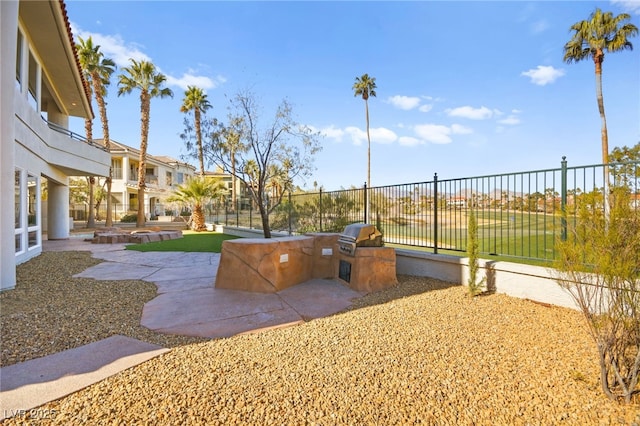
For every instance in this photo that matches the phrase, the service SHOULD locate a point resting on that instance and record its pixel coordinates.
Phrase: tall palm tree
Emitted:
(365, 86)
(196, 192)
(97, 70)
(196, 100)
(143, 76)
(591, 38)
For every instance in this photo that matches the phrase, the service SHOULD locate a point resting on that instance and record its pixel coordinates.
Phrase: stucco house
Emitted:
(163, 175)
(41, 86)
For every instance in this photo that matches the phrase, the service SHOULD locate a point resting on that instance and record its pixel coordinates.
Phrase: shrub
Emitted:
(474, 287)
(129, 218)
(598, 265)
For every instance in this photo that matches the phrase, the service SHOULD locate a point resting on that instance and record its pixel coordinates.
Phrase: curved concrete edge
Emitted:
(29, 384)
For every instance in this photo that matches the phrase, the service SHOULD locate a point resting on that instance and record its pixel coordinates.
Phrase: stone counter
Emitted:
(270, 265)
(267, 265)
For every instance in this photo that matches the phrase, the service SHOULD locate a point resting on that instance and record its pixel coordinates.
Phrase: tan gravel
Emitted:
(421, 352)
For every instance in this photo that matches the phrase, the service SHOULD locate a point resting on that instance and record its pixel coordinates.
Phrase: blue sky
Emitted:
(464, 88)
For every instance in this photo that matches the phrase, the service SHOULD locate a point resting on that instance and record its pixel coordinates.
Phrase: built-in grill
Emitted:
(359, 235)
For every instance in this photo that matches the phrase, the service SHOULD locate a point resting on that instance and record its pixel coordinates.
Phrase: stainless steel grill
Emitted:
(359, 235)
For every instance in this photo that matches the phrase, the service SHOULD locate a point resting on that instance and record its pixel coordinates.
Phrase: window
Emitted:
(169, 180)
(18, 197)
(116, 168)
(179, 178)
(27, 211)
(32, 200)
(19, 60)
(133, 171)
(33, 81)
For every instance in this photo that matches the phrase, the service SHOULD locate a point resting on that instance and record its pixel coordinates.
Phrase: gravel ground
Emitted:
(421, 352)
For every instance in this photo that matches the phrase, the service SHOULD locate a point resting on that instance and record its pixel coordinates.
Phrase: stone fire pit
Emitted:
(119, 235)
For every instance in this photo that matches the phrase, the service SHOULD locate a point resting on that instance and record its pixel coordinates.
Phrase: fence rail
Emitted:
(518, 214)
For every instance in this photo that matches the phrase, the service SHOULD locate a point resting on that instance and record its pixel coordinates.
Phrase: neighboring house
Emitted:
(41, 86)
(242, 194)
(163, 174)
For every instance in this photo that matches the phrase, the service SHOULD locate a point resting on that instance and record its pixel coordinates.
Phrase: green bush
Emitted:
(129, 218)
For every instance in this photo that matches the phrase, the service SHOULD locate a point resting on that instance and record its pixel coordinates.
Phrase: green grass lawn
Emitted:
(191, 241)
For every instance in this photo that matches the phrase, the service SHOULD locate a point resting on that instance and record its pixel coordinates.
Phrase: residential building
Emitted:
(242, 198)
(41, 86)
(162, 175)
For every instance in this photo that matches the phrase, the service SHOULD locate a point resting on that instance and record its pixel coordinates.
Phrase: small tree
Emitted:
(195, 193)
(266, 161)
(474, 287)
(599, 265)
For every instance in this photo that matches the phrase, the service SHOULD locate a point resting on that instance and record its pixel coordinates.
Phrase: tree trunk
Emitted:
(597, 59)
(366, 104)
(196, 114)
(234, 195)
(91, 220)
(102, 107)
(144, 134)
(264, 215)
(109, 218)
(198, 223)
(88, 130)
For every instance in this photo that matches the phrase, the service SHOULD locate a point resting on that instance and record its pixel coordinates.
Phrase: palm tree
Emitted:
(365, 86)
(97, 70)
(591, 38)
(142, 75)
(196, 192)
(195, 99)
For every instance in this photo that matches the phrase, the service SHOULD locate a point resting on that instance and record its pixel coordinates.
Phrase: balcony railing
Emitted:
(58, 128)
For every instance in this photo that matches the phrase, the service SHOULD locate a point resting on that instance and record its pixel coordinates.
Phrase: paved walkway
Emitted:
(187, 304)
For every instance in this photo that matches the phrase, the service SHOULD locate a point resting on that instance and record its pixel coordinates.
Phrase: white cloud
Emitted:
(543, 75)
(190, 79)
(357, 136)
(539, 26)
(409, 141)
(115, 48)
(630, 6)
(511, 120)
(404, 102)
(425, 108)
(112, 46)
(331, 132)
(435, 133)
(481, 113)
(379, 135)
(383, 135)
(460, 130)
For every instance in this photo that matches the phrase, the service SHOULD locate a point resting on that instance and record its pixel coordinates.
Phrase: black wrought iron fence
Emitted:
(518, 214)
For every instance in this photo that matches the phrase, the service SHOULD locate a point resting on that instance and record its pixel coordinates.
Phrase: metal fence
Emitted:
(518, 214)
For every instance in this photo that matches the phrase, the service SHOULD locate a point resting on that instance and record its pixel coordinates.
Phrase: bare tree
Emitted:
(267, 160)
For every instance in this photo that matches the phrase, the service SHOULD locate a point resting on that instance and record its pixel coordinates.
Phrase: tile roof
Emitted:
(85, 84)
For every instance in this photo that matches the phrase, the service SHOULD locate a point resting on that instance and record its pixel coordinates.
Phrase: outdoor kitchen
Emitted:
(357, 258)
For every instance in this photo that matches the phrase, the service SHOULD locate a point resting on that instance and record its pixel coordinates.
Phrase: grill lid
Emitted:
(362, 234)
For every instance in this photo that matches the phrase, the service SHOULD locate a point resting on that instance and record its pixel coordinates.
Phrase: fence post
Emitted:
(238, 213)
(435, 213)
(290, 205)
(320, 208)
(563, 198)
(366, 203)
